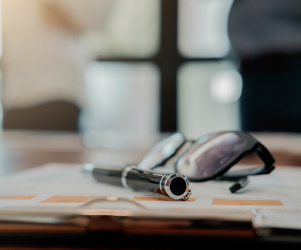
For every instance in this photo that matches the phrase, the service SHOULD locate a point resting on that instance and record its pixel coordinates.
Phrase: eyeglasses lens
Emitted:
(162, 151)
(210, 154)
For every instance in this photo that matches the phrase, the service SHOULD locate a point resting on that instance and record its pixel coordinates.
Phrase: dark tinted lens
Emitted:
(210, 154)
(162, 151)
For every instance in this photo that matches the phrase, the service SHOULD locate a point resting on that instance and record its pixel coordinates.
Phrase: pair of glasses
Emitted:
(210, 157)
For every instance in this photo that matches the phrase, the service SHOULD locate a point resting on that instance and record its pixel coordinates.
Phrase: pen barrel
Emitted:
(108, 174)
(140, 180)
(173, 185)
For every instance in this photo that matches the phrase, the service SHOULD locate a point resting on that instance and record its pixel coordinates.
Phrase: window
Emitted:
(180, 41)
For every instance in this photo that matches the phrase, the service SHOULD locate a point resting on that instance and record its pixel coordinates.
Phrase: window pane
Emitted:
(122, 103)
(203, 28)
(132, 30)
(208, 94)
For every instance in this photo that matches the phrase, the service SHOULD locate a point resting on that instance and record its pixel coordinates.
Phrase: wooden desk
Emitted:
(26, 149)
(23, 149)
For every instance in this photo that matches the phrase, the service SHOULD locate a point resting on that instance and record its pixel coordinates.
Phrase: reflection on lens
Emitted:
(162, 151)
(209, 155)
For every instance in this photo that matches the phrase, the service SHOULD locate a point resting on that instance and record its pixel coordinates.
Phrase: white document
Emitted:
(60, 185)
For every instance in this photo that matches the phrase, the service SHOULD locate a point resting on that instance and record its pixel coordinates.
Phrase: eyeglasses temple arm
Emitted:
(234, 175)
(241, 183)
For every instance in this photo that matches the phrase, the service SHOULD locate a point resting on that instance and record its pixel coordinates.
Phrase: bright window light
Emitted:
(226, 86)
(203, 28)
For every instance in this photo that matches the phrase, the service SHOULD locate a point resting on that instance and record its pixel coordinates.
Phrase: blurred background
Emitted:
(121, 71)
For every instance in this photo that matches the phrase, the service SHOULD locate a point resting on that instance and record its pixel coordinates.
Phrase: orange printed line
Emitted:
(141, 198)
(17, 197)
(246, 202)
(67, 199)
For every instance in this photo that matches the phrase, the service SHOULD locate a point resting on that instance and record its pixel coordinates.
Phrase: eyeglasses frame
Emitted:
(252, 146)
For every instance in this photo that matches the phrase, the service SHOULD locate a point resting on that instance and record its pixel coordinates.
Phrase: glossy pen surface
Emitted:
(173, 185)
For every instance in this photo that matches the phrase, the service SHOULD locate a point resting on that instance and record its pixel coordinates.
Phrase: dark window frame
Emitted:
(168, 60)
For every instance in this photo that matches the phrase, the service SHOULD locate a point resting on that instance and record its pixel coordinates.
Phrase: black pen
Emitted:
(173, 185)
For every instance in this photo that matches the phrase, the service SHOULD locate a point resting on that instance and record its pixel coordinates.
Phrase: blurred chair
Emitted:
(56, 115)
